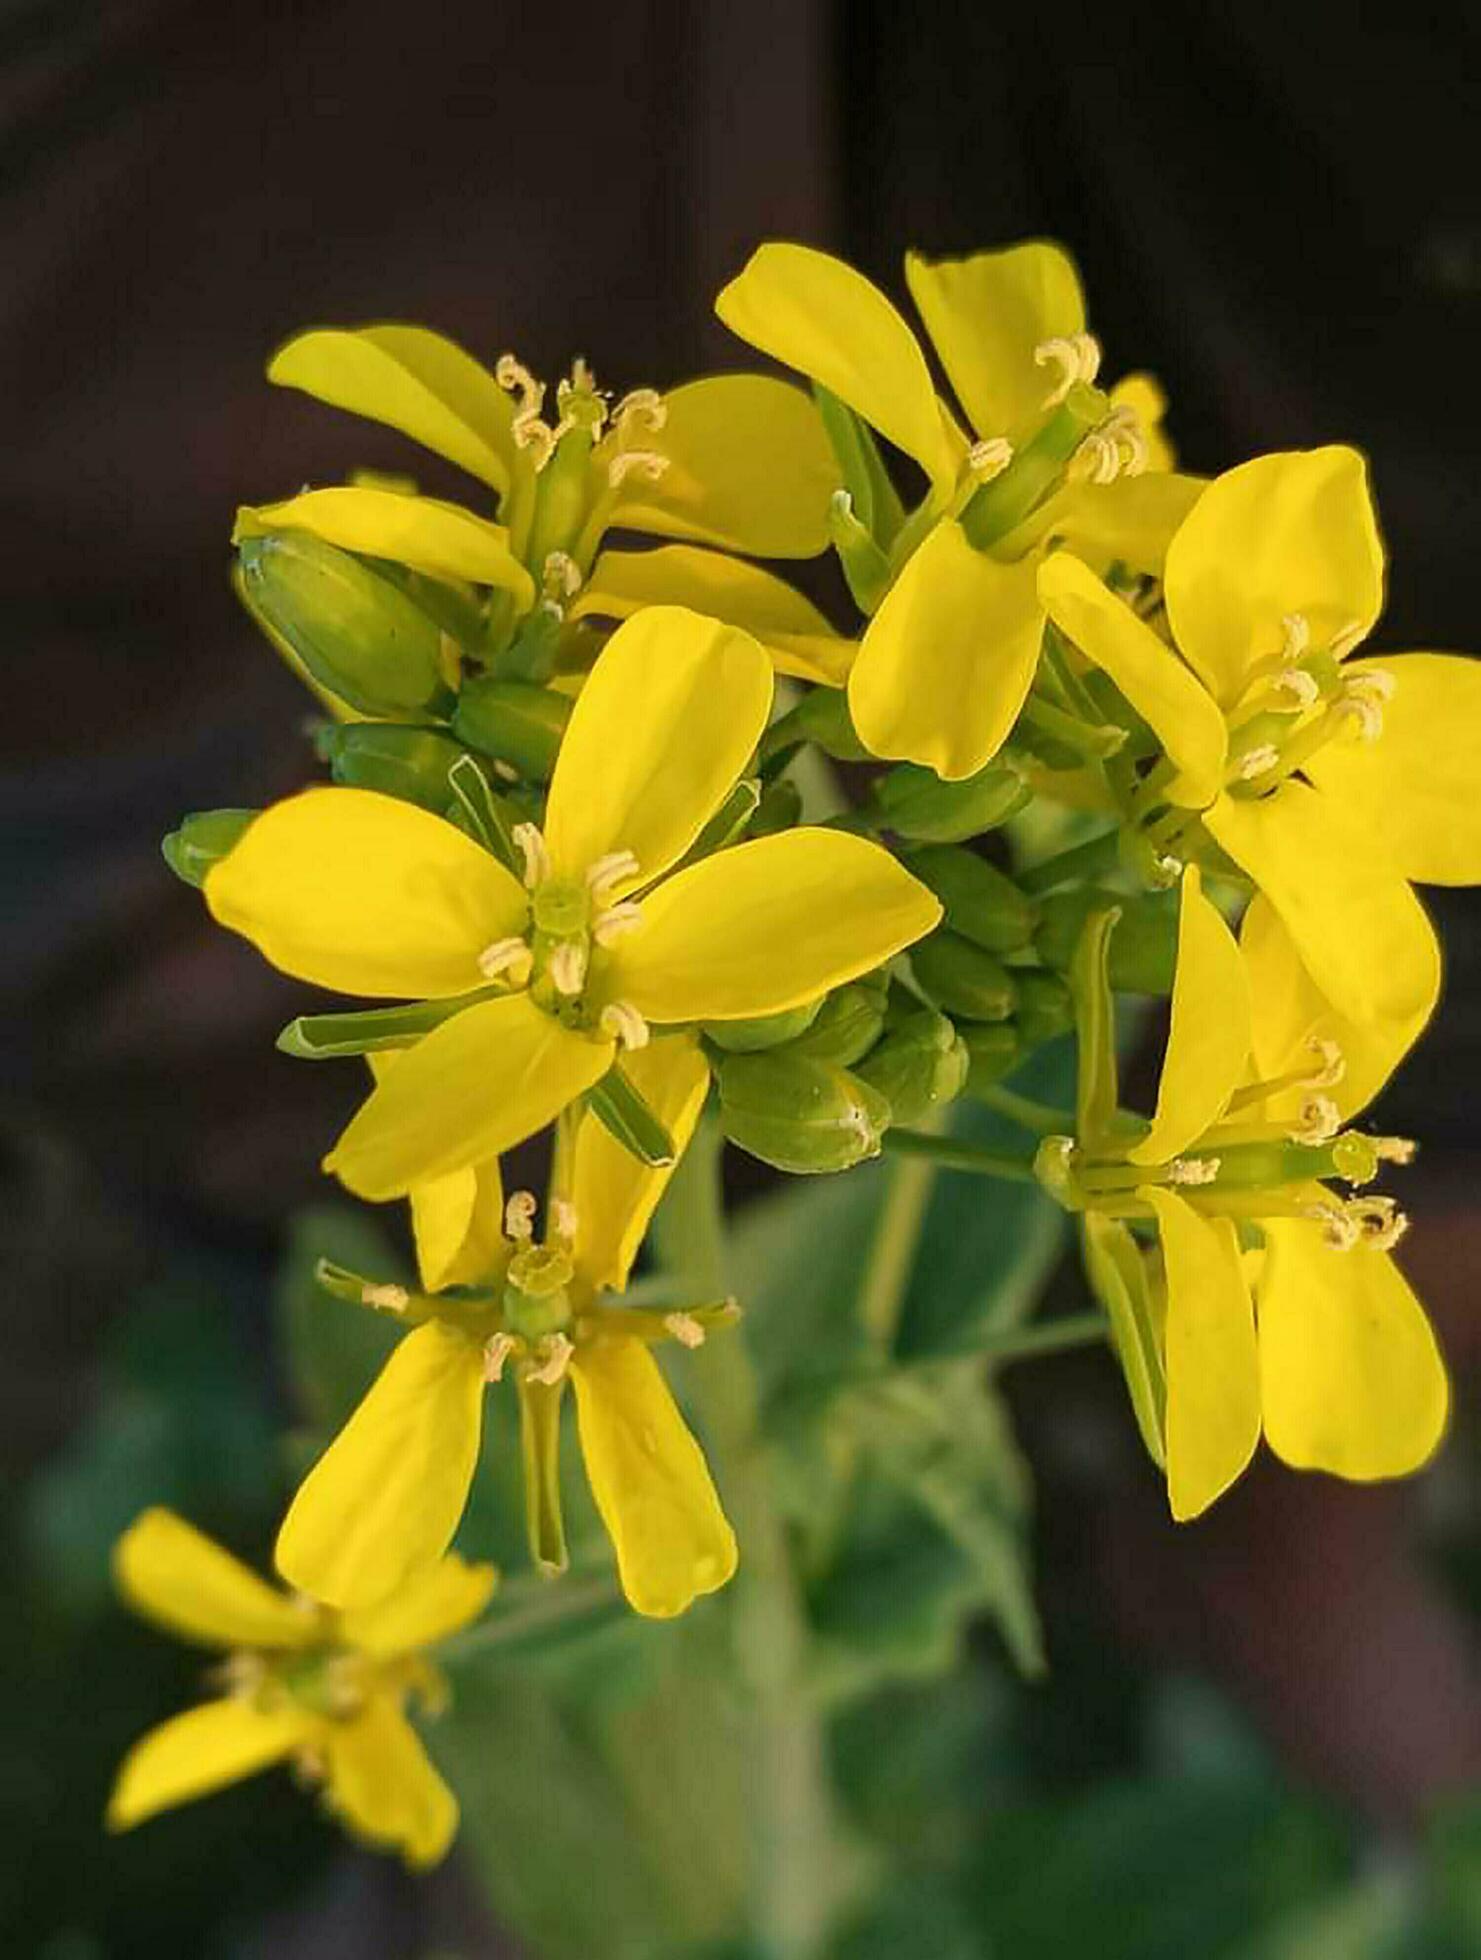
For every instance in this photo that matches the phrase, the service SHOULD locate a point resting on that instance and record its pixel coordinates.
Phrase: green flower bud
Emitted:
(800, 1115)
(516, 722)
(918, 805)
(410, 763)
(865, 566)
(847, 1026)
(962, 978)
(1046, 1007)
(1144, 945)
(763, 1030)
(919, 1067)
(820, 717)
(779, 809)
(203, 839)
(357, 633)
(993, 1049)
(981, 903)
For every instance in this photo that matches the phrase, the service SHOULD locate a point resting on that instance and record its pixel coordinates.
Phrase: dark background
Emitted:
(1280, 217)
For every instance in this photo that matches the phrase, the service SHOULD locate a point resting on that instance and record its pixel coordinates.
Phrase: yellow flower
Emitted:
(738, 462)
(301, 1683)
(365, 894)
(1343, 778)
(1319, 1341)
(949, 656)
(384, 1500)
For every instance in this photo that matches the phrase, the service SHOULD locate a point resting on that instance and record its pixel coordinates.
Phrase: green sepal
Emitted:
(358, 634)
(917, 805)
(963, 978)
(320, 1037)
(982, 903)
(516, 722)
(394, 758)
(540, 1459)
(865, 567)
(201, 840)
(875, 499)
(799, 1115)
(454, 607)
(1117, 1272)
(1045, 1007)
(822, 718)
(779, 809)
(993, 1050)
(483, 813)
(1143, 949)
(1096, 1089)
(919, 1067)
(728, 822)
(764, 1031)
(848, 1024)
(622, 1111)
(1002, 505)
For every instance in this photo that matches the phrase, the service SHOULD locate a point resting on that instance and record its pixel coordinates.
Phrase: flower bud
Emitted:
(918, 1067)
(358, 635)
(799, 1115)
(779, 808)
(847, 1025)
(981, 903)
(516, 722)
(993, 1049)
(409, 763)
(1144, 945)
(763, 1030)
(962, 978)
(820, 717)
(1046, 1007)
(918, 805)
(203, 839)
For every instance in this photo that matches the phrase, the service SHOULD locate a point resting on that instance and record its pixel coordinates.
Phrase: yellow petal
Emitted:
(470, 1090)
(1361, 933)
(1145, 396)
(793, 631)
(649, 1479)
(1418, 779)
(177, 1577)
(749, 468)
(431, 536)
(1181, 712)
(817, 315)
(366, 894)
(384, 1500)
(1130, 522)
(668, 720)
(768, 925)
(946, 662)
(201, 1751)
(457, 1221)
(1352, 1380)
(1292, 1016)
(384, 1788)
(1213, 1369)
(986, 315)
(415, 381)
(424, 1609)
(1284, 534)
(1208, 1045)
(614, 1194)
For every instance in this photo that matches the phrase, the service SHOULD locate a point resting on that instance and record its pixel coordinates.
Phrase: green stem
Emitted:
(951, 1154)
(1080, 861)
(893, 1247)
(794, 1867)
(529, 1607)
(1042, 1118)
(1048, 1337)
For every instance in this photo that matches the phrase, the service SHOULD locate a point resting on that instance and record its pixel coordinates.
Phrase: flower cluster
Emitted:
(571, 848)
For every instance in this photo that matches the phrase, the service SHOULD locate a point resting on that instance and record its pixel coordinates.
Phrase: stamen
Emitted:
(1193, 1170)
(519, 1217)
(1346, 638)
(560, 577)
(1297, 630)
(989, 458)
(623, 1021)
(1098, 459)
(496, 1351)
(530, 842)
(640, 408)
(567, 967)
(555, 1358)
(1394, 1150)
(1296, 680)
(562, 1214)
(506, 956)
(615, 868)
(1256, 761)
(1339, 1231)
(1167, 869)
(685, 1329)
(1077, 356)
(1379, 1221)
(1319, 1122)
(391, 1299)
(616, 921)
(636, 462)
(1364, 701)
(1333, 1064)
(505, 771)
(243, 1675)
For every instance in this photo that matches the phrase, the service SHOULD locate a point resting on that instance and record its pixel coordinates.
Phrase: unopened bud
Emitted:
(1144, 945)
(918, 805)
(410, 763)
(982, 904)
(800, 1115)
(1046, 1007)
(992, 1050)
(763, 1030)
(846, 1027)
(516, 722)
(359, 635)
(963, 978)
(779, 808)
(203, 839)
(822, 718)
(920, 1066)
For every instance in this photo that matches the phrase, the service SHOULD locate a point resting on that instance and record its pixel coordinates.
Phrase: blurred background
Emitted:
(1259, 1737)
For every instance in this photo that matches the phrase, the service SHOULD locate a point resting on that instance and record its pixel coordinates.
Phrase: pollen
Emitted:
(1320, 1121)
(1255, 762)
(555, 1358)
(989, 458)
(519, 1217)
(1076, 356)
(560, 577)
(567, 967)
(390, 1299)
(1332, 1064)
(506, 957)
(640, 409)
(617, 921)
(622, 1020)
(530, 842)
(1394, 1150)
(685, 1329)
(645, 463)
(496, 1351)
(614, 869)
(1296, 681)
(1297, 630)
(563, 1223)
(1193, 1170)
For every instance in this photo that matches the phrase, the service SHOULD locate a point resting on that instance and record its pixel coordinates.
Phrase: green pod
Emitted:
(982, 904)
(918, 805)
(799, 1115)
(763, 1031)
(846, 1027)
(1144, 946)
(359, 634)
(518, 723)
(202, 839)
(993, 1049)
(1046, 1007)
(920, 1066)
(963, 978)
(398, 760)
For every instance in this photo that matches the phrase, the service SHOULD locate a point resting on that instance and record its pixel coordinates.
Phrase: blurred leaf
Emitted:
(333, 1349)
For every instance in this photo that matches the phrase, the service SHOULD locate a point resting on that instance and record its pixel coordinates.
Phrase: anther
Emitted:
(1379, 1221)
(526, 427)
(530, 842)
(555, 1358)
(1394, 1150)
(640, 408)
(505, 771)
(1296, 680)
(646, 463)
(1256, 761)
(562, 1219)
(1077, 356)
(390, 1299)
(567, 967)
(615, 868)
(1319, 1123)
(624, 1023)
(496, 1351)
(1297, 630)
(1333, 1064)
(1363, 697)
(509, 957)
(616, 921)
(519, 1217)
(989, 458)
(1098, 459)
(1346, 638)
(685, 1329)
(1339, 1231)
(560, 577)
(1193, 1170)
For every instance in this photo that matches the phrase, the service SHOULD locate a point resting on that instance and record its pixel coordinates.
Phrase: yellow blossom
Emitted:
(301, 1683)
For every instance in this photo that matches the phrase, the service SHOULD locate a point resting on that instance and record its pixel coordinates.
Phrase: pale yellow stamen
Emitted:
(616, 921)
(1296, 680)
(1346, 638)
(560, 576)
(567, 967)
(519, 1217)
(1193, 1170)
(624, 1023)
(1319, 1123)
(640, 408)
(563, 1219)
(496, 1351)
(989, 458)
(530, 842)
(613, 869)
(1333, 1064)
(526, 427)
(1077, 357)
(646, 463)
(1394, 1150)
(555, 1358)
(507, 957)
(685, 1329)
(1256, 761)
(390, 1299)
